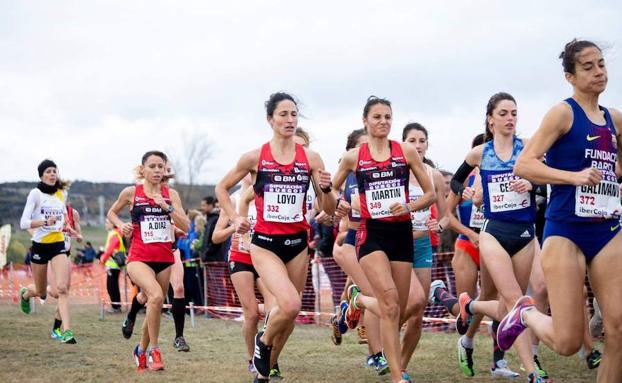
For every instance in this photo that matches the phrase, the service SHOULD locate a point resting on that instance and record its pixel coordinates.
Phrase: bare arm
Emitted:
(246, 164)
(555, 124)
(125, 199)
(222, 230)
(179, 216)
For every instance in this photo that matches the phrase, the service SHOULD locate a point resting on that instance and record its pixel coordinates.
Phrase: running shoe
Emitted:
(382, 366)
(539, 368)
(261, 357)
(512, 324)
(343, 307)
(250, 367)
(275, 373)
(68, 337)
(461, 327)
(335, 333)
(362, 334)
(261, 380)
(406, 377)
(155, 360)
(500, 369)
(127, 328)
(56, 334)
(180, 344)
(593, 359)
(370, 361)
(140, 359)
(436, 284)
(24, 304)
(465, 359)
(535, 378)
(353, 314)
(463, 300)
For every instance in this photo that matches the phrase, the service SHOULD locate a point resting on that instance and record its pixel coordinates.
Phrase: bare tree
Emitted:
(197, 149)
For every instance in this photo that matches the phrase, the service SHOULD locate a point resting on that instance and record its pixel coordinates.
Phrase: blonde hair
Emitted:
(300, 132)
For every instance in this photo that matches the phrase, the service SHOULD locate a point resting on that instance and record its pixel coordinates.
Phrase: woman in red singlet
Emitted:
(153, 207)
(282, 171)
(384, 239)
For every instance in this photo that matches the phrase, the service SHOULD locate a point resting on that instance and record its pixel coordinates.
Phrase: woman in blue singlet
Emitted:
(507, 236)
(581, 140)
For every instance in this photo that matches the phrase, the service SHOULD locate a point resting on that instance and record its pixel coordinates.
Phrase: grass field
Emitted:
(217, 355)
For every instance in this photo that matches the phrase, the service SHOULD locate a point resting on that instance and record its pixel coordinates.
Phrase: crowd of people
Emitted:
(533, 217)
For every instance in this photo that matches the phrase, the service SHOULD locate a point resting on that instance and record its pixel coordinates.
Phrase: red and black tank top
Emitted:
(382, 183)
(280, 193)
(152, 234)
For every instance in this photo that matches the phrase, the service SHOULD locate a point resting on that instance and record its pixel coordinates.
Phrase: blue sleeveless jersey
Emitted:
(500, 203)
(585, 145)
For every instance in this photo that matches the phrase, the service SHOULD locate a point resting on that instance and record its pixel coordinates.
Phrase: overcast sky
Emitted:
(95, 84)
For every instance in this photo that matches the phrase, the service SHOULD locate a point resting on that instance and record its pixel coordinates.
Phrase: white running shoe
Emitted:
(502, 370)
(433, 286)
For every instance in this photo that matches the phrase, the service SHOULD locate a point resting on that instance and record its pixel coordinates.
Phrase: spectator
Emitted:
(211, 252)
(87, 254)
(113, 259)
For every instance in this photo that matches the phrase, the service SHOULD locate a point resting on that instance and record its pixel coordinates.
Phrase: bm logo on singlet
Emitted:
(386, 174)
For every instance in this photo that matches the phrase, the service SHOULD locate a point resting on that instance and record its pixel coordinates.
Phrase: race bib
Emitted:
(283, 203)
(418, 218)
(501, 198)
(477, 217)
(156, 228)
(48, 212)
(599, 201)
(380, 195)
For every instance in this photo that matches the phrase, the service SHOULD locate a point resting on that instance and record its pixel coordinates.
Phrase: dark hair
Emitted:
(210, 200)
(47, 163)
(571, 50)
(353, 138)
(477, 140)
(492, 104)
(156, 153)
(275, 99)
(373, 100)
(422, 129)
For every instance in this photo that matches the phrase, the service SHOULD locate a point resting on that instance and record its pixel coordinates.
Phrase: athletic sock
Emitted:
(445, 298)
(179, 315)
(466, 341)
(136, 306)
(57, 324)
(497, 353)
(468, 307)
(534, 349)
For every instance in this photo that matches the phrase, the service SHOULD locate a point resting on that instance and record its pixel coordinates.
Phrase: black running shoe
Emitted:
(180, 344)
(128, 328)
(593, 359)
(261, 356)
(260, 380)
(461, 327)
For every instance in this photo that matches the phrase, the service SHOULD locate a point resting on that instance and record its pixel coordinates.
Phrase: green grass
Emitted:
(217, 355)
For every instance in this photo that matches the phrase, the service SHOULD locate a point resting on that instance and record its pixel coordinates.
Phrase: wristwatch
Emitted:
(170, 209)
